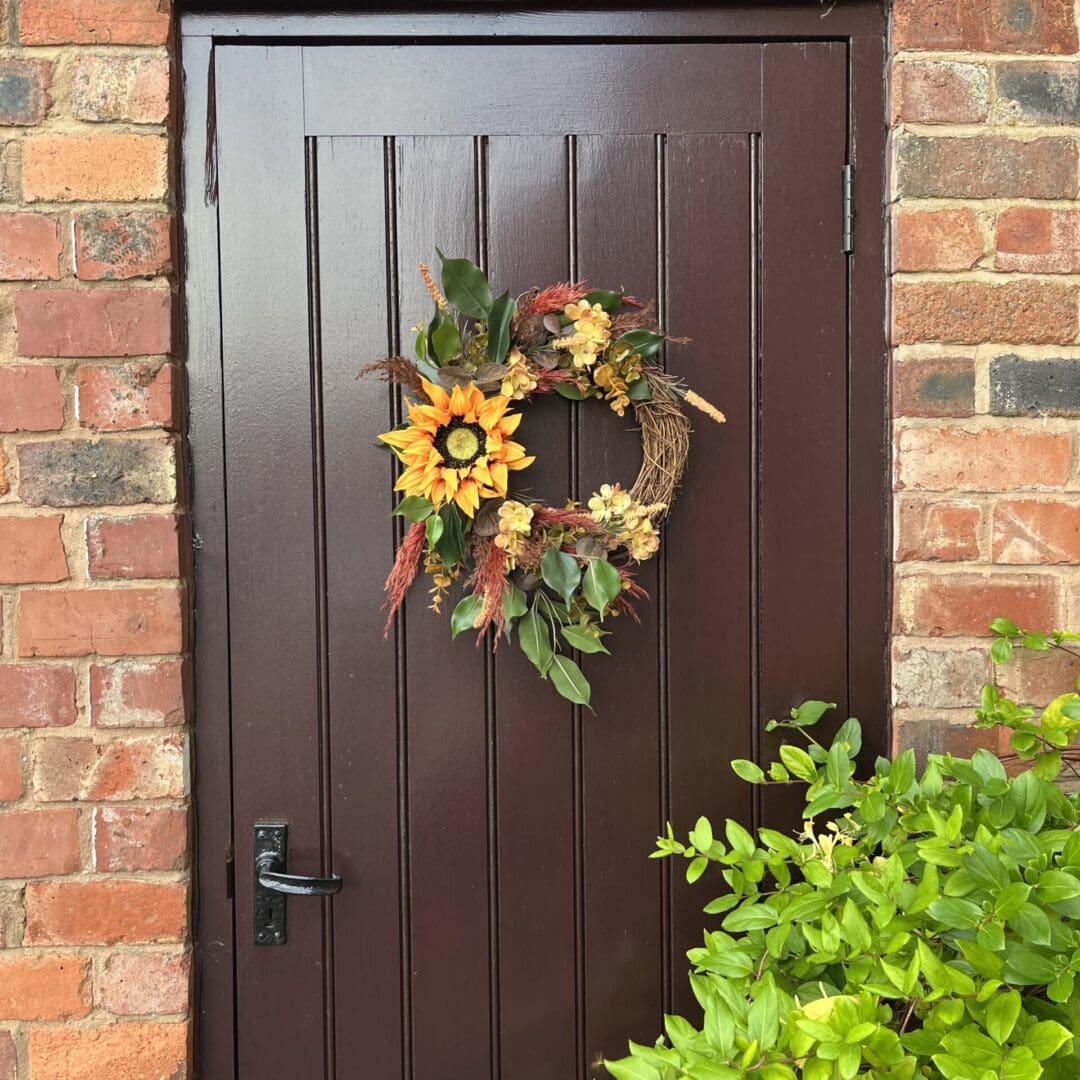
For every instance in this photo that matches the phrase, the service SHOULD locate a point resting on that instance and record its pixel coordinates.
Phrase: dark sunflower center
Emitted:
(460, 443)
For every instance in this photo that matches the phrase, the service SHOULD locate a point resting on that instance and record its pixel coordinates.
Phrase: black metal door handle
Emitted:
(294, 884)
(273, 884)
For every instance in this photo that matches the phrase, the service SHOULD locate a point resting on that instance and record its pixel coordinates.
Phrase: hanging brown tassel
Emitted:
(406, 567)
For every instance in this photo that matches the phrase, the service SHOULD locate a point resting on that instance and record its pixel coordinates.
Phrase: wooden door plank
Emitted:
(616, 235)
(708, 546)
(272, 529)
(446, 688)
(620, 88)
(804, 508)
(362, 671)
(528, 244)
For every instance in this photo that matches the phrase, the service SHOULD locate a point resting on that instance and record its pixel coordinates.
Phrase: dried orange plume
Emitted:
(547, 380)
(489, 581)
(554, 298)
(433, 289)
(568, 519)
(406, 566)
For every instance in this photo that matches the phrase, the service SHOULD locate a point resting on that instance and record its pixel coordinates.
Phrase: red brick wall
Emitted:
(986, 372)
(94, 885)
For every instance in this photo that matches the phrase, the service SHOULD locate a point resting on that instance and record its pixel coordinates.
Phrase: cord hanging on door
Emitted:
(555, 575)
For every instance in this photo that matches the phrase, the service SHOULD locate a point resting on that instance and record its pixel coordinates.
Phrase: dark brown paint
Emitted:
(500, 917)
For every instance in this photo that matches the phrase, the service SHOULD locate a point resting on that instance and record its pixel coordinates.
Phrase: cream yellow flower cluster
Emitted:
(592, 332)
(519, 380)
(515, 524)
(630, 521)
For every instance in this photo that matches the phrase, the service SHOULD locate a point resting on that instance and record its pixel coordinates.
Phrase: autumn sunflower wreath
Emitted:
(553, 574)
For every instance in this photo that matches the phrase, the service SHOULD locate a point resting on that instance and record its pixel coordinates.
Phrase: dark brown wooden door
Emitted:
(500, 917)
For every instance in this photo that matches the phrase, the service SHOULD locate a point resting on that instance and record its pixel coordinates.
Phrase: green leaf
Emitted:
(465, 286)
(433, 529)
(810, 712)
(695, 869)
(465, 615)
(569, 681)
(1046, 1038)
(1054, 886)
(498, 342)
(644, 342)
(639, 390)
(748, 771)
(561, 572)
(534, 640)
(451, 545)
(631, 1069)
(608, 300)
(1001, 1016)
(414, 508)
(1004, 626)
(601, 585)
(515, 602)
(571, 391)
(580, 638)
(445, 340)
(798, 762)
(1001, 650)
(421, 343)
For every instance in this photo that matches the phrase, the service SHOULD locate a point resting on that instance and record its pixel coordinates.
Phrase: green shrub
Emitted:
(919, 926)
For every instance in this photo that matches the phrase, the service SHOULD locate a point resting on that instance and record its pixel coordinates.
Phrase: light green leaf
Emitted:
(433, 529)
(584, 640)
(601, 584)
(534, 640)
(414, 508)
(498, 342)
(561, 572)
(569, 681)
(466, 613)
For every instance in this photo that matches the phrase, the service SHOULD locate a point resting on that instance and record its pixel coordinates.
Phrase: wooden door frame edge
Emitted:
(860, 25)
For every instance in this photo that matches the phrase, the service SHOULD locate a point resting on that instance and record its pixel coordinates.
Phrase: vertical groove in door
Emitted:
(755, 719)
(318, 464)
(393, 342)
(578, 772)
(490, 721)
(664, 756)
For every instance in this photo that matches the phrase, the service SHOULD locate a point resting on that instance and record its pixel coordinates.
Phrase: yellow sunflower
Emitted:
(458, 448)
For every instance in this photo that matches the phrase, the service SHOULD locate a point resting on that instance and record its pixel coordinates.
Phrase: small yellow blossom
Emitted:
(592, 331)
(609, 503)
(515, 524)
(519, 380)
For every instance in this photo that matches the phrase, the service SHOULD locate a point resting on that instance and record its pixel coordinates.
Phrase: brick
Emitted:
(1032, 678)
(93, 322)
(934, 678)
(1013, 26)
(24, 91)
(970, 312)
(8, 1058)
(934, 386)
(1026, 531)
(38, 842)
(130, 694)
(106, 167)
(30, 398)
(103, 622)
(77, 768)
(942, 736)
(37, 695)
(94, 22)
(1037, 93)
(140, 838)
(11, 785)
(947, 531)
(950, 459)
(29, 247)
(139, 1051)
(1036, 240)
(1044, 387)
(104, 912)
(940, 92)
(5, 484)
(115, 246)
(145, 984)
(125, 397)
(43, 987)
(986, 167)
(146, 546)
(938, 240)
(961, 604)
(97, 472)
(130, 88)
(31, 550)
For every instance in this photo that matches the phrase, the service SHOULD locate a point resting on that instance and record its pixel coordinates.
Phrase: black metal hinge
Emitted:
(847, 243)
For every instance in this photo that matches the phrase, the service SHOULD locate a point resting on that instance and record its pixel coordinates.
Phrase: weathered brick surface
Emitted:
(125, 397)
(145, 546)
(113, 1052)
(97, 472)
(94, 322)
(8, 1057)
(24, 91)
(31, 550)
(77, 769)
(49, 986)
(29, 247)
(115, 246)
(145, 984)
(94, 22)
(30, 398)
(105, 912)
(1004, 26)
(140, 838)
(135, 89)
(112, 168)
(938, 240)
(1037, 93)
(939, 678)
(946, 531)
(38, 842)
(1030, 531)
(931, 92)
(1021, 387)
(11, 782)
(934, 386)
(37, 695)
(127, 693)
(937, 605)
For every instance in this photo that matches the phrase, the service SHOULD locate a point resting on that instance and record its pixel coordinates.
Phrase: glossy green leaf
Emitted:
(534, 640)
(568, 679)
(608, 300)
(465, 287)
(577, 637)
(601, 585)
(433, 529)
(465, 614)
(644, 342)
(561, 572)
(498, 342)
(452, 544)
(413, 508)
(445, 341)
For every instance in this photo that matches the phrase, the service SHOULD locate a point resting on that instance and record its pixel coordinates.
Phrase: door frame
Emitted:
(860, 25)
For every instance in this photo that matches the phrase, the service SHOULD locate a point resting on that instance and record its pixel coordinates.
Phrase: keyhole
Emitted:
(269, 918)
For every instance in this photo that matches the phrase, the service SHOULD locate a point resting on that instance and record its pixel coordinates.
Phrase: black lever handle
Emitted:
(294, 884)
(273, 884)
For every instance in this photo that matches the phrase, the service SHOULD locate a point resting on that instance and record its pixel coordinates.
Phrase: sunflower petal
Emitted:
(435, 394)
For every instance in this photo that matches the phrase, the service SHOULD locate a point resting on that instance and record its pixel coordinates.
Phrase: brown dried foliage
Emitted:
(396, 369)
(406, 566)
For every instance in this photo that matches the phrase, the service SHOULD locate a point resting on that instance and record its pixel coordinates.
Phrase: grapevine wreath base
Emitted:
(552, 575)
